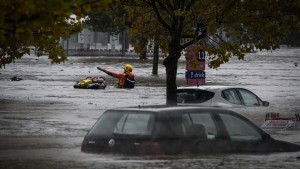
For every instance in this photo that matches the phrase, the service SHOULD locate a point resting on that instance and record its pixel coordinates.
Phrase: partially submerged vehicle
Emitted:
(177, 130)
(275, 121)
(91, 83)
(219, 96)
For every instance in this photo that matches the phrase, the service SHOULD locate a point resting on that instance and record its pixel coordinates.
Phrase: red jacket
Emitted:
(120, 76)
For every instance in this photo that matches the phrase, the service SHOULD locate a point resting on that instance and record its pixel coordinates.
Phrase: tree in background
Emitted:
(115, 20)
(291, 39)
(40, 24)
(223, 28)
(109, 21)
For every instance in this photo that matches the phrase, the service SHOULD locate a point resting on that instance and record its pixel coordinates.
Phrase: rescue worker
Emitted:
(126, 79)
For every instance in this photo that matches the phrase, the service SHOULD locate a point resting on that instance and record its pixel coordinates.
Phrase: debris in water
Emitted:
(273, 121)
(15, 78)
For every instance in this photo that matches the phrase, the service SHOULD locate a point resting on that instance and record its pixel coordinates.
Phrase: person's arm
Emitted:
(117, 75)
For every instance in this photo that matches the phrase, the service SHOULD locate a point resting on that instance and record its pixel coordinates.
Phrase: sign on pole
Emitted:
(195, 66)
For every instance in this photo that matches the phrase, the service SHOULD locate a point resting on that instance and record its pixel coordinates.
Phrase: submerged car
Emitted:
(179, 129)
(219, 96)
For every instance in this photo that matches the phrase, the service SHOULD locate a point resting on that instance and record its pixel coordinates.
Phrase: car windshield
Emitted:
(123, 122)
(239, 129)
(249, 98)
(193, 96)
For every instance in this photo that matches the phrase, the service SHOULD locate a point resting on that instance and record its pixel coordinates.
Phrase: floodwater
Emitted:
(43, 119)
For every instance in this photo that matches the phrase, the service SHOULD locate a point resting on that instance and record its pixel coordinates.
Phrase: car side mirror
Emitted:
(266, 103)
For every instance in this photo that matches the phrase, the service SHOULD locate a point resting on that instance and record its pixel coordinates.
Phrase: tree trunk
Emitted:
(143, 54)
(123, 43)
(155, 57)
(171, 63)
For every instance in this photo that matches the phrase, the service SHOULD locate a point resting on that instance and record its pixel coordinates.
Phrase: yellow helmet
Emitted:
(127, 68)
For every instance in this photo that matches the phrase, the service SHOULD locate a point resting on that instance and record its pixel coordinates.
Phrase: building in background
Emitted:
(88, 42)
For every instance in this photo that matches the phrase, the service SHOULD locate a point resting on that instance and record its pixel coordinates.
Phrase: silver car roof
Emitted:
(208, 87)
(164, 108)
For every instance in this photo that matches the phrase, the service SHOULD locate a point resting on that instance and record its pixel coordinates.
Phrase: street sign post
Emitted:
(195, 66)
(199, 75)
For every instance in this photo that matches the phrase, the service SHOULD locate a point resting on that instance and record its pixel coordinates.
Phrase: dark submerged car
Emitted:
(173, 130)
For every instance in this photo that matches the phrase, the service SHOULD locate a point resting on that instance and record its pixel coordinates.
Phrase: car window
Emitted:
(106, 124)
(249, 98)
(135, 123)
(239, 129)
(193, 96)
(120, 124)
(123, 123)
(204, 119)
(170, 125)
(231, 96)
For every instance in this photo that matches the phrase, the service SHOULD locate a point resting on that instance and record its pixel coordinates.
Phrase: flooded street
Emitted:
(43, 119)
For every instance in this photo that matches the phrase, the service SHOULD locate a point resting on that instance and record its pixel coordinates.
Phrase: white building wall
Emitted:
(90, 40)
